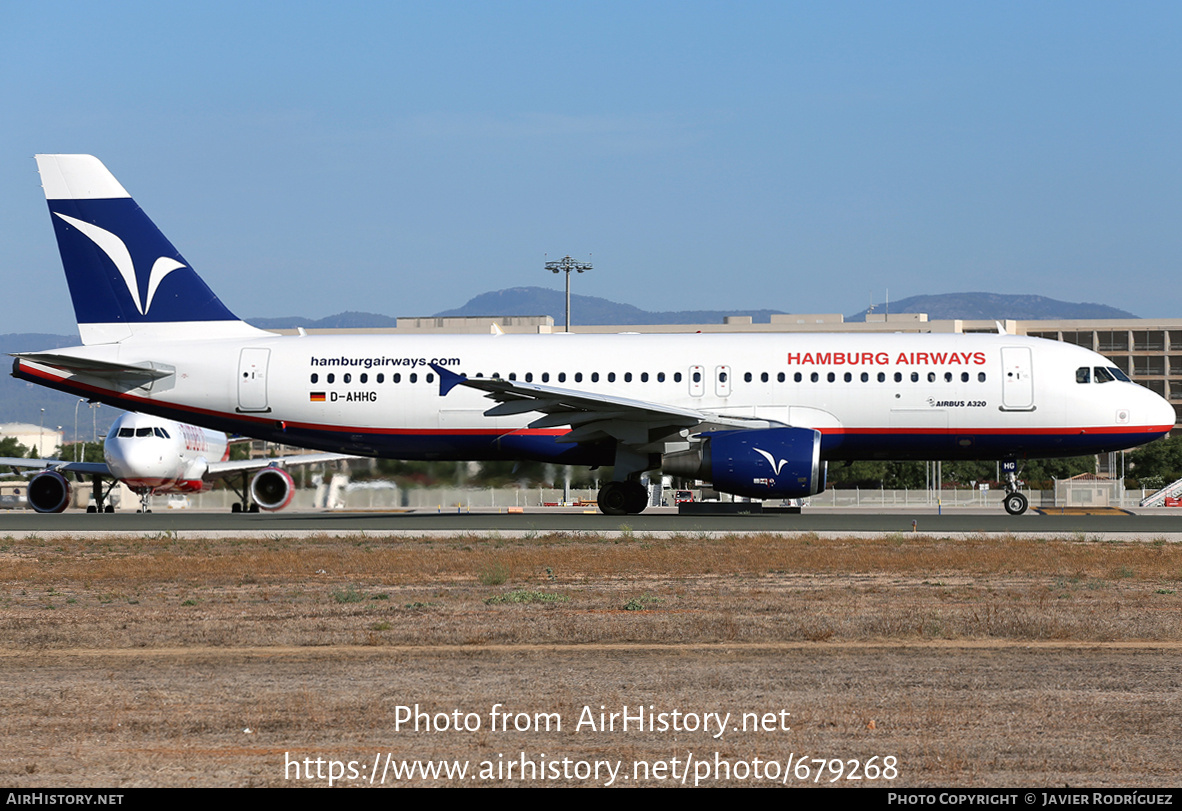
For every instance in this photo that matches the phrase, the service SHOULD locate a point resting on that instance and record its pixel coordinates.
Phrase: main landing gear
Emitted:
(626, 495)
(101, 504)
(244, 505)
(623, 498)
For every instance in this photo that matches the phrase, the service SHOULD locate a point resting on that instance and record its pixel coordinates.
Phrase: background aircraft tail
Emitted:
(126, 279)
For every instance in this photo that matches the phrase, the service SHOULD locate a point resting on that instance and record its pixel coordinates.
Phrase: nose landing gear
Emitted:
(1014, 502)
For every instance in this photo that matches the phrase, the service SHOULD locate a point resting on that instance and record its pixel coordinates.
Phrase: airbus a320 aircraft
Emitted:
(757, 415)
(153, 455)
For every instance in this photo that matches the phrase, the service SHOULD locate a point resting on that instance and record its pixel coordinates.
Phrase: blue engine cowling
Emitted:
(768, 463)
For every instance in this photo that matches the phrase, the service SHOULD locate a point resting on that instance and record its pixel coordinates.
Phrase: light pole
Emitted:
(41, 435)
(567, 264)
(77, 458)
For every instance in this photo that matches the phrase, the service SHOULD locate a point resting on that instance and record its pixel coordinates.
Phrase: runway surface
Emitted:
(1151, 525)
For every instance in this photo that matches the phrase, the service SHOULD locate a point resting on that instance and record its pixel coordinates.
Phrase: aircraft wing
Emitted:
(219, 470)
(18, 464)
(644, 425)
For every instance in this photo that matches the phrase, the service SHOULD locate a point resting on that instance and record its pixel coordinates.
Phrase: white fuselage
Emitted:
(151, 454)
(871, 396)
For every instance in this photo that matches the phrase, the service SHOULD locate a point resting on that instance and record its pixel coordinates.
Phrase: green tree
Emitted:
(1160, 460)
(10, 447)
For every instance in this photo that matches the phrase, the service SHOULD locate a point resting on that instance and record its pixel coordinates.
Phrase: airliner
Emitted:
(759, 416)
(153, 455)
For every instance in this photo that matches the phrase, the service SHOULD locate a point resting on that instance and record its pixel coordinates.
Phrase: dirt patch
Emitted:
(986, 662)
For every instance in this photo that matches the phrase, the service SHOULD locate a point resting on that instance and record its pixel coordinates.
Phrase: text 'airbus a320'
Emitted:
(756, 415)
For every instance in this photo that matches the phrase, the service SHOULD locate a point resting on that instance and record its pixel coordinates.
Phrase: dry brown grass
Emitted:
(986, 661)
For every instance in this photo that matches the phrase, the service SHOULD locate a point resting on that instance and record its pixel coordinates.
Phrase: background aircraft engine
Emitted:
(272, 489)
(769, 463)
(49, 492)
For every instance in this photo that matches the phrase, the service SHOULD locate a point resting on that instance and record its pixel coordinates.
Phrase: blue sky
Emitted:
(402, 157)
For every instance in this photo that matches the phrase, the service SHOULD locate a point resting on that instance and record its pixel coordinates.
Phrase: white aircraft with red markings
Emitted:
(153, 455)
(756, 415)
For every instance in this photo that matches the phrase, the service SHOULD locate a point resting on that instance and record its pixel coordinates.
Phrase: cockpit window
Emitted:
(1103, 375)
(160, 432)
(1083, 375)
(143, 431)
(1119, 375)
(126, 432)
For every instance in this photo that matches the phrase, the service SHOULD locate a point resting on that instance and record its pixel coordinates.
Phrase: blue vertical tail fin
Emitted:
(126, 279)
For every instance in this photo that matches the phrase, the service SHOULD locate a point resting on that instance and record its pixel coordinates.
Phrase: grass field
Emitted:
(987, 661)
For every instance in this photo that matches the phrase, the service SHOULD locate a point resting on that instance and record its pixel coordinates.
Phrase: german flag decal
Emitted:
(316, 397)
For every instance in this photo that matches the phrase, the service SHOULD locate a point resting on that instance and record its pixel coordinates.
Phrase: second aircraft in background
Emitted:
(153, 455)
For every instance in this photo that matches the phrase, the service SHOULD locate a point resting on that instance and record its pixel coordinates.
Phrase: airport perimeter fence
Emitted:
(385, 496)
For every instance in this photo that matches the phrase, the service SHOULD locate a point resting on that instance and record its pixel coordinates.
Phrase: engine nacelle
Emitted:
(49, 492)
(768, 463)
(272, 489)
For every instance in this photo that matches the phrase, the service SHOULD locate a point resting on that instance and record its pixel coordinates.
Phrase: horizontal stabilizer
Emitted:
(93, 368)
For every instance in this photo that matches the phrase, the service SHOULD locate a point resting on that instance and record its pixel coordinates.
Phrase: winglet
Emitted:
(448, 379)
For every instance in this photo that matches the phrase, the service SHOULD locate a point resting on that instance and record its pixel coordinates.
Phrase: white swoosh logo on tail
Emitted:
(117, 252)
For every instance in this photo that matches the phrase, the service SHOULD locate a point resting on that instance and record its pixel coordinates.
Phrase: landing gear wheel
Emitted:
(1015, 503)
(235, 507)
(108, 509)
(92, 509)
(613, 499)
(636, 497)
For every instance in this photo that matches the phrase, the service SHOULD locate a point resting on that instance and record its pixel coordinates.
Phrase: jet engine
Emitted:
(766, 463)
(49, 492)
(272, 489)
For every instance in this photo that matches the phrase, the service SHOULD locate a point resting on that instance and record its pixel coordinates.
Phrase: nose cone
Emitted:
(1158, 412)
(139, 461)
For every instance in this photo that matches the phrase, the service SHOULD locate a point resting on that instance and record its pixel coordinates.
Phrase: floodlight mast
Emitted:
(567, 264)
